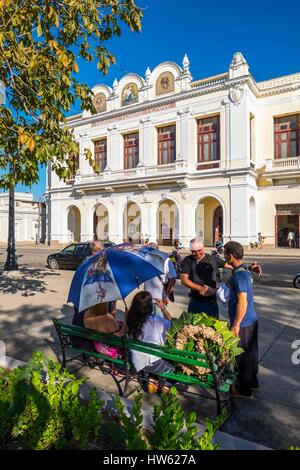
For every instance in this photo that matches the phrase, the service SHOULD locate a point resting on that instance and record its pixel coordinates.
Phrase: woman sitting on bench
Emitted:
(143, 325)
(99, 319)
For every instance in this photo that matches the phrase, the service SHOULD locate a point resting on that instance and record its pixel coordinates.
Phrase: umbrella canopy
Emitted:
(113, 273)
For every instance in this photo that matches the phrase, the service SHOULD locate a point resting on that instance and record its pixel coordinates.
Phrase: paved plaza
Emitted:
(33, 295)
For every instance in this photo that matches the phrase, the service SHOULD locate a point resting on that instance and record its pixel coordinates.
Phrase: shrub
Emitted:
(40, 408)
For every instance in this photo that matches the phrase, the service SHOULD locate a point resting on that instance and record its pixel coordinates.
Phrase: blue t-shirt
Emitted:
(241, 282)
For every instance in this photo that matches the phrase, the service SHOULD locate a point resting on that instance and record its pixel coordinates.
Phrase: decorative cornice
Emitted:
(280, 81)
(147, 105)
(199, 88)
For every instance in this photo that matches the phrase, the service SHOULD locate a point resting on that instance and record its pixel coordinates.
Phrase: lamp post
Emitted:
(11, 264)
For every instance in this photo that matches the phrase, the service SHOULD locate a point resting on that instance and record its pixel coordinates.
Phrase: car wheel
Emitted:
(53, 264)
(296, 282)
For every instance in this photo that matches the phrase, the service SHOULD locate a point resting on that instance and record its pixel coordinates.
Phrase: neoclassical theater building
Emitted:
(217, 157)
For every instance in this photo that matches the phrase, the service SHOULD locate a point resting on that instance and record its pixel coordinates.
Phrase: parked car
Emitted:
(72, 256)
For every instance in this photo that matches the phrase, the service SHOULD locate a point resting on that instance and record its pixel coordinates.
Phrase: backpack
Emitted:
(80, 342)
(223, 291)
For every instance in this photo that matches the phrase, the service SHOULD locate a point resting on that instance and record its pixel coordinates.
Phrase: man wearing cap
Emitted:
(198, 272)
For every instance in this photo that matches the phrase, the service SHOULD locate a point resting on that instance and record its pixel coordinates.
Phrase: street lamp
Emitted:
(11, 264)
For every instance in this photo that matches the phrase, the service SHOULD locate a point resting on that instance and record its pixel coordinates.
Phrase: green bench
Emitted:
(216, 383)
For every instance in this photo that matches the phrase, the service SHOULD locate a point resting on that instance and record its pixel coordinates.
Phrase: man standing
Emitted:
(243, 321)
(291, 239)
(161, 287)
(198, 272)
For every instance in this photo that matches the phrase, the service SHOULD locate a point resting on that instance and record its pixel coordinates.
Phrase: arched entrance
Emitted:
(132, 223)
(101, 223)
(167, 222)
(74, 224)
(209, 221)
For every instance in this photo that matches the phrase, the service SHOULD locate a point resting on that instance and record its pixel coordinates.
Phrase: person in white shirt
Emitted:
(161, 287)
(291, 239)
(143, 325)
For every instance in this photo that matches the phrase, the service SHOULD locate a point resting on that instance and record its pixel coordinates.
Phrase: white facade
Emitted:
(235, 196)
(30, 218)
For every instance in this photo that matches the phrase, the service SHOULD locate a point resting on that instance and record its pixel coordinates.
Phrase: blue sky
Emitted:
(265, 31)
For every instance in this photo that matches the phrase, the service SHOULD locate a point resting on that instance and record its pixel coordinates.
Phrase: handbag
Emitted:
(166, 285)
(223, 293)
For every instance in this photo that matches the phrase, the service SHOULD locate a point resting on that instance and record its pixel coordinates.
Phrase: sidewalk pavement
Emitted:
(266, 252)
(281, 252)
(32, 296)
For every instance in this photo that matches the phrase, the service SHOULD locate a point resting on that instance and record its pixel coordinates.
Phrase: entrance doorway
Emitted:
(167, 222)
(287, 220)
(209, 221)
(101, 223)
(132, 221)
(74, 224)
(218, 224)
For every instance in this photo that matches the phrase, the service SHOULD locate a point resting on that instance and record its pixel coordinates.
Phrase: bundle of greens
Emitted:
(203, 334)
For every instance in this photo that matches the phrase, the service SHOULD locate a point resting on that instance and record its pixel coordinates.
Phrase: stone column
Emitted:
(84, 143)
(225, 136)
(59, 225)
(239, 129)
(184, 116)
(147, 141)
(239, 210)
(114, 155)
(153, 230)
(87, 228)
(187, 228)
(115, 210)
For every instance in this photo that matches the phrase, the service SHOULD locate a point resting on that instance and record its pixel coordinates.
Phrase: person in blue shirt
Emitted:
(243, 320)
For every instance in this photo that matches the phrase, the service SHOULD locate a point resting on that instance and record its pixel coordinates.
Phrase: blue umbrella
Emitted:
(113, 273)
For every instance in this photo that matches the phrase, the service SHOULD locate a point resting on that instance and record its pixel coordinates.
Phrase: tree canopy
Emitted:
(40, 44)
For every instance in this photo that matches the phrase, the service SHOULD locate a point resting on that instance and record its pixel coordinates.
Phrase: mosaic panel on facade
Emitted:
(165, 83)
(129, 94)
(99, 102)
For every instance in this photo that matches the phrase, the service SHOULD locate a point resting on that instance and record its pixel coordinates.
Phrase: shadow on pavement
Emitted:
(25, 281)
(268, 280)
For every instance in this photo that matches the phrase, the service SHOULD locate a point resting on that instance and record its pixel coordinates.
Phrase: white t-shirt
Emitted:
(156, 285)
(154, 331)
